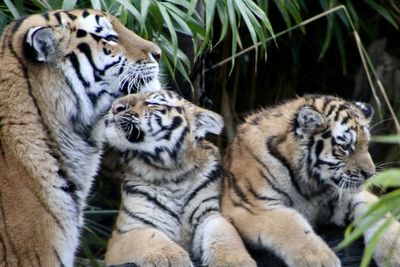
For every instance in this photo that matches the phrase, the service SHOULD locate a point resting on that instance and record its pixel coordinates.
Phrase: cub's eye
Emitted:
(111, 38)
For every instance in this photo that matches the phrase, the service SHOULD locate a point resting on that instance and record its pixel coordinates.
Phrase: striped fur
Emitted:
(170, 192)
(59, 73)
(297, 165)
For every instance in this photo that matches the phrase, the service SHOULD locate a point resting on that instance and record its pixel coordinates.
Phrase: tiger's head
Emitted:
(334, 133)
(161, 127)
(77, 62)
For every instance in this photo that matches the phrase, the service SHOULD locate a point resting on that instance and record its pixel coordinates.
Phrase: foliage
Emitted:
(219, 29)
(388, 203)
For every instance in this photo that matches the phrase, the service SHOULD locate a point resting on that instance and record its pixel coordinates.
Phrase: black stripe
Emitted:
(258, 196)
(7, 235)
(138, 218)
(327, 134)
(96, 37)
(85, 13)
(331, 109)
(58, 258)
(46, 16)
(200, 205)
(81, 33)
(199, 221)
(58, 17)
(272, 144)
(212, 177)
(236, 188)
(341, 108)
(71, 16)
(319, 147)
(132, 190)
(75, 64)
(276, 188)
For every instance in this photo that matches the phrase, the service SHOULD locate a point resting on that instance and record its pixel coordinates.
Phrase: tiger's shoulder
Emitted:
(59, 71)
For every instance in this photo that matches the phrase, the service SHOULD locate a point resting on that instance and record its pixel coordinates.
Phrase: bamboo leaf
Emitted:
(12, 9)
(383, 11)
(171, 28)
(385, 179)
(136, 14)
(369, 249)
(68, 4)
(391, 139)
(96, 4)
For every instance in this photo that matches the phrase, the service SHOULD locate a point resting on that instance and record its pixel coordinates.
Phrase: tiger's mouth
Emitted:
(349, 183)
(130, 126)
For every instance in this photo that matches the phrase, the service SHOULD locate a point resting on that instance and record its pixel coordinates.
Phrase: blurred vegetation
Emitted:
(195, 35)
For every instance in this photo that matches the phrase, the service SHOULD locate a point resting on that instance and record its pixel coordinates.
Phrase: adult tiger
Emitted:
(170, 192)
(59, 73)
(297, 165)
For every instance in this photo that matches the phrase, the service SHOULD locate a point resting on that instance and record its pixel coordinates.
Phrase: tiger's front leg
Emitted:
(387, 250)
(220, 244)
(145, 248)
(284, 231)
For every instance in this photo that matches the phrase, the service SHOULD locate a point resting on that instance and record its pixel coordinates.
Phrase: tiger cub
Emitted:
(297, 165)
(170, 192)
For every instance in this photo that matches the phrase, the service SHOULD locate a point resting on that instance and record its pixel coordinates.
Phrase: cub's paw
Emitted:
(167, 255)
(311, 252)
(232, 259)
(387, 251)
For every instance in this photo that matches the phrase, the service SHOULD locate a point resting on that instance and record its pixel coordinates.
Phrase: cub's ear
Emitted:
(40, 44)
(206, 122)
(366, 109)
(310, 120)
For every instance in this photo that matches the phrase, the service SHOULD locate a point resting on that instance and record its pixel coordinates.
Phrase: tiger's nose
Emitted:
(117, 108)
(156, 55)
(367, 175)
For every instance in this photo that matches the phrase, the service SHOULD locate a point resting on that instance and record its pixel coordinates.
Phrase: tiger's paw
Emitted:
(231, 258)
(387, 251)
(167, 255)
(312, 253)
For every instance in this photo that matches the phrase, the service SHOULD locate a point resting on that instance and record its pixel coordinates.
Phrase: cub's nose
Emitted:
(117, 108)
(367, 175)
(156, 55)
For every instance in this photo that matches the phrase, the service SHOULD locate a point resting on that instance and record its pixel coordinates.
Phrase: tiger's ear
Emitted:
(206, 122)
(310, 120)
(40, 44)
(366, 109)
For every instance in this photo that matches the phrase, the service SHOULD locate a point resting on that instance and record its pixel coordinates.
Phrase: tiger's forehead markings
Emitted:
(96, 24)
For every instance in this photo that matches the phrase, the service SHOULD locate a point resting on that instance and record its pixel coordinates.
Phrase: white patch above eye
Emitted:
(101, 27)
(344, 135)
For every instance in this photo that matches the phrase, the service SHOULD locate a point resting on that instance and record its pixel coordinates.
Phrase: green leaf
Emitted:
(234, 30)
(385, 179)
(68, 4)
(383, 11)
(252, 28)
(369, 249)
(136, 14)
(171, 28)
(96, 4)
(223, 17)
(12, 9)
(392, 139)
